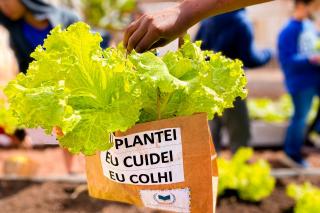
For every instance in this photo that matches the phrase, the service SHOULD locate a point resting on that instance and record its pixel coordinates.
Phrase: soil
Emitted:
(50, 197)
(277, 202)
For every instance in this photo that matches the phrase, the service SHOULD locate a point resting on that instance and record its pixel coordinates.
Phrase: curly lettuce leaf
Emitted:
(43, 106)
(307, 197)
(188, 81)
(89, 93)
(253, 182)
(7, 121)
(71, 86)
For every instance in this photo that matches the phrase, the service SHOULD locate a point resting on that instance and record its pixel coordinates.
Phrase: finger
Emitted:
(160, 43)
(147, 41)
(130, 29)
(137, 35)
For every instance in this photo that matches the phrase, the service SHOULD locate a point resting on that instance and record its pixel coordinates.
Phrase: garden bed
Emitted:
(278, 202)
(29, 197)
(49, 197)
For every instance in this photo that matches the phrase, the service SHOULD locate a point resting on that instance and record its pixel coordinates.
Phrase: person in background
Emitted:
(232, 34)
(313, 134)
(301, 66)
(28, 23)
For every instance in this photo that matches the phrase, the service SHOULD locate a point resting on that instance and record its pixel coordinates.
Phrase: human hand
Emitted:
(156, 29)
(153, 30)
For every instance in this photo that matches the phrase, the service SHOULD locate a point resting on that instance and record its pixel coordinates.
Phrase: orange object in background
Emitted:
(167, 164)
(19, 165)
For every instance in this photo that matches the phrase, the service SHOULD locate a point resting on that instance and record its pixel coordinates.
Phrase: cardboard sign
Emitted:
(145, 158)
(167, 164)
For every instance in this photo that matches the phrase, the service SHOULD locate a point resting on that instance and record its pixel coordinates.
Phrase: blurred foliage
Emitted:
(7, 121)
(276, 111)
(252, 181)
(109, 14)
(307, 197)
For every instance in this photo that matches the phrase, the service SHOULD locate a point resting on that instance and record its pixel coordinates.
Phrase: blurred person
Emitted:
(18, 140)
(28, 23)
(232, 34)
(313, 134)
(301, 66)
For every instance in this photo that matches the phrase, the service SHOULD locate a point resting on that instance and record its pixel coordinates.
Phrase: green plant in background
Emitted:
(110, 14)
(307, 197)
(252, 181)
(7, 121)
(89, 92)
(271, 111)
(276, 111)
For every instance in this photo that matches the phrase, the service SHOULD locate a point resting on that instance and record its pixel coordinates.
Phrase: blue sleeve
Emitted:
(200, 33)
(224, 42)
(300, 62)
(289, 55)
(250, 55)
(202, 36)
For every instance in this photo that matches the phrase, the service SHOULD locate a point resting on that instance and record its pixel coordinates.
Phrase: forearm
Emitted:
(157, 29)
(193, 11)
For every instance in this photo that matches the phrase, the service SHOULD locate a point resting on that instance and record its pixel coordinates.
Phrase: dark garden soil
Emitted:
(49, 197)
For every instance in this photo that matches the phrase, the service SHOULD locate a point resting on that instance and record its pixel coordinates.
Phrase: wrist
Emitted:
(191, 12)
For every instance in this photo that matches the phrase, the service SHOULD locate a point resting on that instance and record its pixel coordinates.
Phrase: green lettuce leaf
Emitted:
(7, 121)
(188, 81)
(252, 181)
(307, 197)
(90, 93)
(71, 86)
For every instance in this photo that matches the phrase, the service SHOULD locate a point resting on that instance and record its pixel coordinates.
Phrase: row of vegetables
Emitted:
(253, 182)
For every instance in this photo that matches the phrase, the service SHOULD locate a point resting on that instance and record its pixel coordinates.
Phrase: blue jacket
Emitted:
(20, 42)
(41, 10)
(293, 43)
(232, 34)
